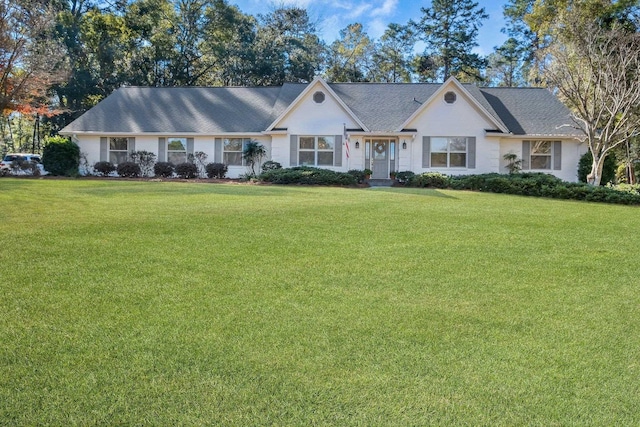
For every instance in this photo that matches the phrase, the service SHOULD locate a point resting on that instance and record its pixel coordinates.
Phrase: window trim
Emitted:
(244, 142)
(317, 150)
(449, 152)
(550, 155)
(109, 150)
(185, 144)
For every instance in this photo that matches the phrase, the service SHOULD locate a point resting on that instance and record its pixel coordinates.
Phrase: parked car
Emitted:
(22, 164)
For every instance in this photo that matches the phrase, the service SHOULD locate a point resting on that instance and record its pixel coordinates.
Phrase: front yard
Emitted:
(187, 304)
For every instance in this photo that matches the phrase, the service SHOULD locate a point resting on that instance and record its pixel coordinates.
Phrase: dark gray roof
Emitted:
(530, 111)
(381, 107)
(207, 110)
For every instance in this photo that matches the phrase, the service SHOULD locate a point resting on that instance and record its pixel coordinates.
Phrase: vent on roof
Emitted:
(450, 97)
(318, 97)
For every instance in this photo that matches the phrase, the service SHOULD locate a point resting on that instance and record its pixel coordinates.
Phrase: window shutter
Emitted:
(217, 150)
(132, 145)
(557, 155)
(293, 160)
(337, 155)
(526, 154)
(104, 149)
(189, 147)
(426, 152)
(162, 149)
(471, 152)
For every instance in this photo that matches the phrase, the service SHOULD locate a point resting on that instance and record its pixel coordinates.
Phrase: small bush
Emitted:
(216, 170)
(187, 170)
(430, 179)
(270, 165)
(61, 156)
(404, 177)
(163, 169)
(358, 174)
(307, 176)
(104, 168)
(128, 170)
(146, 160)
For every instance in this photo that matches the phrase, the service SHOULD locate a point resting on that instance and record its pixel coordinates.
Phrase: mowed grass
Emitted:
(195, 304)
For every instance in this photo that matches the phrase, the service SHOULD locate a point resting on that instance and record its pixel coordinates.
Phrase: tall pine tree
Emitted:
(450, 29)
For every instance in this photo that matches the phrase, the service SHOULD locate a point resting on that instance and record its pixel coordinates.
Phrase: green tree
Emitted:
(393, 55)
(350, 57)
(450, 29)
(504, 65)
(289, 47)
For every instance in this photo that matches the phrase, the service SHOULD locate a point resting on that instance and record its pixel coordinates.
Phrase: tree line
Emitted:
(60, 57)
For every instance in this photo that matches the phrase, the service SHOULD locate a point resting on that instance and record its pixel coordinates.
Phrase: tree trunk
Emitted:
(595, 176)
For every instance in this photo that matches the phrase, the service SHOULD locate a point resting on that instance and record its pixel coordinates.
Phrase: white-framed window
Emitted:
(449, 152)
(541, 155)
(316, 150)
(176, 150)
(118, 150)
(232, 149)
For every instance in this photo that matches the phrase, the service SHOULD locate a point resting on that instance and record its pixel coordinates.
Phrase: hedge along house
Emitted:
(450, 128)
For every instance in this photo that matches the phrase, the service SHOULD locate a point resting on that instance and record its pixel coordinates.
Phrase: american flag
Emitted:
(346, 141)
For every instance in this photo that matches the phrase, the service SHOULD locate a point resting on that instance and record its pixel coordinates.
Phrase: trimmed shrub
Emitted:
(270, 165)
(358, 174)
(104, 168)
(543, 185)
(608, 169)
(404, 177)
(163, 169)
(128, 170)
(307, 176)
(430, 179)
(187, 170)
(216, 170)
(61, 156)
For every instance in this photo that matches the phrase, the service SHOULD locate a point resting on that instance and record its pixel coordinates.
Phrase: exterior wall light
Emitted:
(357, 144)
(404, 145)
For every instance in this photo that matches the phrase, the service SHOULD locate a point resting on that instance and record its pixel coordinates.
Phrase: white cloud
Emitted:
(387, 8)
(377, 27)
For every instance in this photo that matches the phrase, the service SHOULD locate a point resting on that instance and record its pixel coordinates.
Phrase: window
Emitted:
(118, 150)
(541, 154)
(318, 97)
(450, 97)
(176, 150)
(448, 152)
(232, 151)
(316, 150)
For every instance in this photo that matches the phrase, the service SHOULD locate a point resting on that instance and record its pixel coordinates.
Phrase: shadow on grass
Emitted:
(429, 192)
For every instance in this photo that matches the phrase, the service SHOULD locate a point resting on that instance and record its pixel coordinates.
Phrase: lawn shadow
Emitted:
(429, 192)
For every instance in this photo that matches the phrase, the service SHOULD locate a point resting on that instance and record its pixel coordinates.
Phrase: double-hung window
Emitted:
(118, 150)
(541, 152)
(177, 150)
(449, 152)
(316, 150)
(232, 151)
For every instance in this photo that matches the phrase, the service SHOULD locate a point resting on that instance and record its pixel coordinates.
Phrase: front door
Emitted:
(380, 158)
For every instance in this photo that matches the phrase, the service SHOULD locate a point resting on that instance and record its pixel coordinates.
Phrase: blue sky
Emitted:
(334, 15)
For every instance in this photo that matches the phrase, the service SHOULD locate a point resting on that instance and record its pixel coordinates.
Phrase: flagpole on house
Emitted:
(346, 145)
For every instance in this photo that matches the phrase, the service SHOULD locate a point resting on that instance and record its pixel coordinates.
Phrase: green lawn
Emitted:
(185, 304)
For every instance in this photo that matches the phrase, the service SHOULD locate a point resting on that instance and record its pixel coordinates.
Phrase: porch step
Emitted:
(380, 182)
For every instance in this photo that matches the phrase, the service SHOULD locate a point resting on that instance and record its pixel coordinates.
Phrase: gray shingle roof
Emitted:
(381, 107)
(530, 111)
(207, 110)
